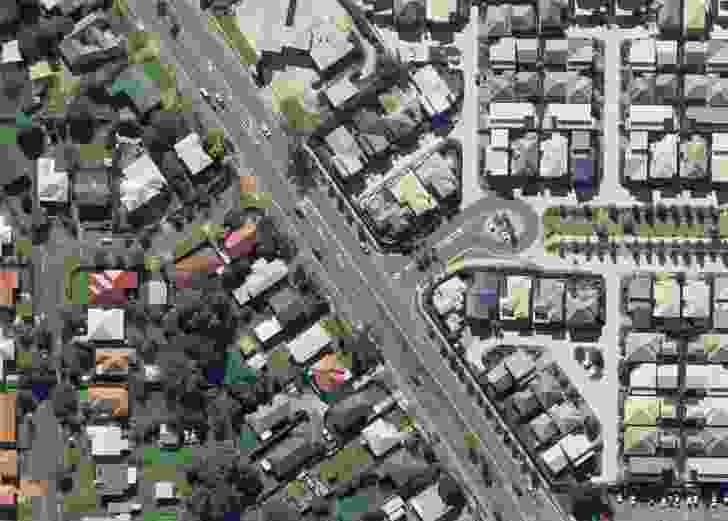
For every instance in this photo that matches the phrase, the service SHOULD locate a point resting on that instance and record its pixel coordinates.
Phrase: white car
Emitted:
(620, 499)
(633, 500)
(265, 130)
(205, 94)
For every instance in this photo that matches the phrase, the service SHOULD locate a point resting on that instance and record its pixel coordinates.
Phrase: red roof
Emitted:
(110, 286)
(9, 279)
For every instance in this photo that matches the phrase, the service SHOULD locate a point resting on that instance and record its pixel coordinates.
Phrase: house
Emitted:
(513, 368)
(341, 91)
(554, 156)
(381, 436)
(577, 448)
(329, 372)
(544, 429)
(666, 296)
(525, 403)
(115, 395)
(348, 415)
(263, 276)
(696, 298)
(516, 304)
(511, 115)
(482, 298)
(701, 116)
(8, 288)
(708, 469)
(328, 44)
(694, 164)
(503, 53)
(348, 158)
(111, 287)
(91, 42)
(268, 417)
(92, 187)
(106, 440)
(711, 348)
(637, 157)
(435, 92)
(112, 479)
(581, 53)
(703, 377)
(643, 55)
(241, 242)
(497, 21)
(164, 491)
(441, 11)
(6, 232)
(716, 56)
(653, 376)
(584, 306)
(267, 329)
(152, 373)
(527, 50)
(409, 192)
(641, 441)
(643, 347)
(555, 459)
(168, 437)
(437, 172)
(289, 306)
(52, 184)
(114, 362)
(719, 158)
(141, 181)
(712, 411)
(309, 343)
(652, 117)
(650, 466)
(105, 324)
(154, 292)
(428, 504)
(450, 295)
(8, 465)
(142, 91)
(568, 116)
(647, 411)
(289, 465)
(497, 155)
(192, 154)
(8, 413)
(10, 52)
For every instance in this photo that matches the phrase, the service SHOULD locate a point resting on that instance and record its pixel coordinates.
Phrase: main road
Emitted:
(358, 279)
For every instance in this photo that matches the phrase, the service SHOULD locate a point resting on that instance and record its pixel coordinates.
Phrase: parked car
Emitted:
(265, 130)
(205, 95)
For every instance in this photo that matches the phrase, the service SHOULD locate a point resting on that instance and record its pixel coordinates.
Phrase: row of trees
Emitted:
(647, 214)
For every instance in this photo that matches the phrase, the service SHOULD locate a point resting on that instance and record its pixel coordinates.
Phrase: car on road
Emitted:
(205, 95)
(365, 248)
(265, 130)
(220, 102)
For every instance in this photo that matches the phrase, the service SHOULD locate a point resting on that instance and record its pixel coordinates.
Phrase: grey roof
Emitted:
(527, 84)
(91, 186)
(524, 155)
(555, 84)
(268, 417)
(114, 478)
(548, 300)
(666, 86)
(642, 89)
(718, 92)
(581, 140)
(282, 299)
(498, 20)
(650, 465)
(583, 302)
(668, 17)
(695, 87)
(523, 18)
(579, 89)
(550, 14)
(499, 87)
(556, 51)
(707, 115)
(640, 287)
(544, 428)
(642, 347)
(145, 98)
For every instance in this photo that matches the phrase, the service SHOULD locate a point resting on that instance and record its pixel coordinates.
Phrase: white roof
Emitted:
(555, 458)
(142, 180)
(151, 371)
(567, 114)
(720, 142)
(11, 52)
(708, 466)
(50, 4)
(306, 345)
(575, 445)
(650, 114)
(510, 111)
(52, 185)
(499, 138)
(328, 44)
(156, 291)
(503, 51)
(106, 440)
(190, 151)
(554, 156)
(132, 475)
(6, 231)
(105, 324)
(341, 91)
(267, 329)
(263, 276)
(643, 51)
(433, 88)
(429, 504)
(381, 436)
(164, 490)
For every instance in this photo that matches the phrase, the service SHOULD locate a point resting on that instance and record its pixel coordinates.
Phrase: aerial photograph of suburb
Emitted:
(363, 260)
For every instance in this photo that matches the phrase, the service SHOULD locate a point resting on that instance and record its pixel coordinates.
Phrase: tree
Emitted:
(65, 401)
(81, 120)
(32, 142)
(215, 143)
(25, 402)
(14, 80)
(450, 492)
(77, 360)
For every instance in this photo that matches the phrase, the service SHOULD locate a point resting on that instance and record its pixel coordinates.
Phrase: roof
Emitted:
(110, 286)
(329, 372)
(434, 89)
(106, 440)
(267, 329)
(381, 436)
(11, 52)
(155, 292)
(139, 87)
(91, 186)
(696, 298)
(113, 478)
(309, 343)
(646, 411)
(346, 150)
(263, 276)
(52, 185)
(113, 361)
(289, 465)
(248, 183)
(440, 10)
(554, 158)
(708, 467)
(9, 464)
(516, 304)
(118, 395)
(328, 44)
(543, 427)
(650, 465)
(428, 504)
(712, 409)
(341, 91)
(268, 416)
(555, 459)
(548, 300)
(142, 180)
(643, 347)
(164, 490)
(8, 414)
(583, 302)
(667, 297)
(105, 324)
(192, 154)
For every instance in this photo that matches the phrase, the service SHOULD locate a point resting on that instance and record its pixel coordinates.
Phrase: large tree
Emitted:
(32, 142)
(65, 402)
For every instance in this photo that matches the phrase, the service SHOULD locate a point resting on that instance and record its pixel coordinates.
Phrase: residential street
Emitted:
(354, 273)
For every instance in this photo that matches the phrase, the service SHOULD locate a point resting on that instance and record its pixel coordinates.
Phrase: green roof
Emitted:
(236, 372)
(351, 508)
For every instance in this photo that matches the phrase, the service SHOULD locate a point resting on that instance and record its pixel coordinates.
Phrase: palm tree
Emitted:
(649, 213)
(613, 250)
(700, 214)
(662, 212)
(675, 213)
(674, 254)
(649, 250)
(589, 249)
(687, 211)
(613, 212)
(637, 213)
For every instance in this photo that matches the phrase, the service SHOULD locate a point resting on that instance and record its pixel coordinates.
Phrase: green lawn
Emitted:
(8, 135)
(260, 200)
(345, 464)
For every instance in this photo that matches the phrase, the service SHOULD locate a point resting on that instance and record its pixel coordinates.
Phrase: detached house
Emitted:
(92, 42)
(192, 154)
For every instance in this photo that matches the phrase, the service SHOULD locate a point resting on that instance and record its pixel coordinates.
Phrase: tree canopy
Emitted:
(32, 142)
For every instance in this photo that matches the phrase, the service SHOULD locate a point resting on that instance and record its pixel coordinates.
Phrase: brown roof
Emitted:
(7, 297)
(248, 183)
(7, 417)
(112, 359)
(9, 464)
(118, 394)
(198, 264)
(34, 487)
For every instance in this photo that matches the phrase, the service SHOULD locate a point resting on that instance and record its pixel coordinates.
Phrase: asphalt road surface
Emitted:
(354, 274)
